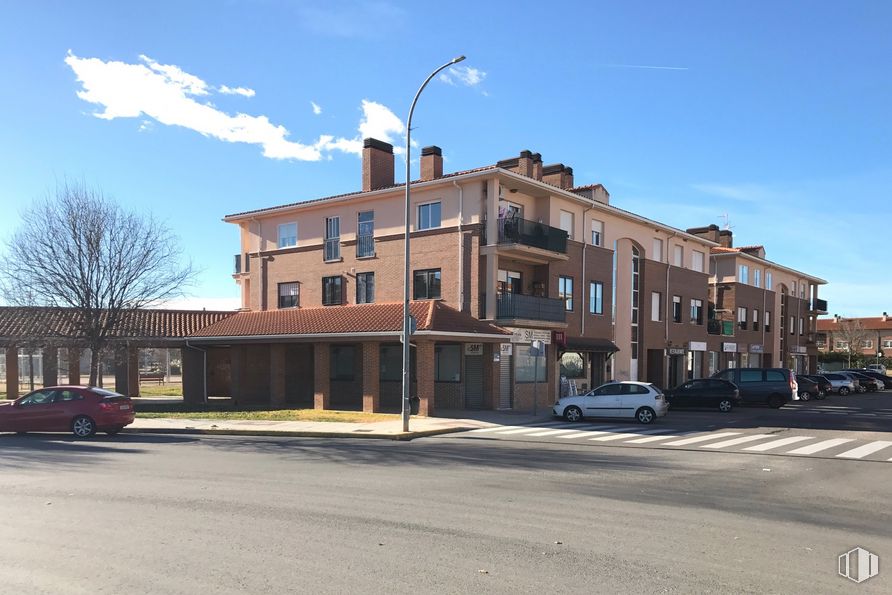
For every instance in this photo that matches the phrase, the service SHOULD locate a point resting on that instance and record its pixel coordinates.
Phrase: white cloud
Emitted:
(466, 75)
(243, 91)
(167, 95)
(316, 108)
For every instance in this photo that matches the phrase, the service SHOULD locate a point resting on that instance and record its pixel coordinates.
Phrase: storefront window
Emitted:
(391, 363)
(525, 364)
(447, 363)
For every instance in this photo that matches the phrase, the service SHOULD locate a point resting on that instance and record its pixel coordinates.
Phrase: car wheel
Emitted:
(725, 405)
(843, 390)
(645, 415)
(573, 413)
(775, 401)
(805, 396)
(83, 426)
(114, 431)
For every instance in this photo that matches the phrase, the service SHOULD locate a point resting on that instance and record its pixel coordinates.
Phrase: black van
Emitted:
(766, 386)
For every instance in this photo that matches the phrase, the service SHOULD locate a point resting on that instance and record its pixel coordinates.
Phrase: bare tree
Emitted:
(852, 331)
(78, 249)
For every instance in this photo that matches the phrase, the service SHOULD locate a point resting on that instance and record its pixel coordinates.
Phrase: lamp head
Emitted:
(457, 60)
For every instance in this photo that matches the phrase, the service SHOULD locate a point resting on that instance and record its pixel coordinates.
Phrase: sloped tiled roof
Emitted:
(869, 324)
(431, 316)
(63, 323)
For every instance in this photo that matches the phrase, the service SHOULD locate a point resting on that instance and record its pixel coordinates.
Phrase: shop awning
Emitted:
(587, 344)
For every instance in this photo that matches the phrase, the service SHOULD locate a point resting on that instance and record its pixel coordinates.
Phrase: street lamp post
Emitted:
(406, 318)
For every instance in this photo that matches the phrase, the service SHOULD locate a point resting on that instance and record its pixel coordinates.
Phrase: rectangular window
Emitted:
(447, 363)
(365, 288)
(391, 364)
(867, 344)
(678, 256)
(768, 283)
(596, 297)
(743, 274)
(565, 292)
(657, 253)
(802, 289)
(287, 235)
(332, 238)
(597, 233)
(429, 215)
(841, 345)
(696, 311)
(427, 284)
(332, 291)
(755, 319)
(567, 223)
(656, 306)
(757, 277)
(793, 286)
(792, 325)
(365, 234)
(289, 295)
(741, 318)
(801, 326)
(697, 260)
(887, 344)
(525, 364)
(676, 308)
(767, 321)
(342, 359)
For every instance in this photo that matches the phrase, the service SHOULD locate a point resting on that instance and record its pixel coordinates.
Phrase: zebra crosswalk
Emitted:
(729, 440)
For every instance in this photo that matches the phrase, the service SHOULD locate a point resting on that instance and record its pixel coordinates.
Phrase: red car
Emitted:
(83, 410)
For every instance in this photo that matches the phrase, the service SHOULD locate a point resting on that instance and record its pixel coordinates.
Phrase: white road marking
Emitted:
(493, 429)
(736, 441)
(655, 438)
(863, 451)
(553, 432)
(777, 443)
(819, 446)
(525, 429)
(633, 434)
(697, 439)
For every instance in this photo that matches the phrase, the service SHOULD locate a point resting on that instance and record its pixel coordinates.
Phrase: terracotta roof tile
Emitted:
(431, 316)
(870, 323)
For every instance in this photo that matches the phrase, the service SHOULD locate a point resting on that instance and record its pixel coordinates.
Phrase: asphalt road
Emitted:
(165, 514)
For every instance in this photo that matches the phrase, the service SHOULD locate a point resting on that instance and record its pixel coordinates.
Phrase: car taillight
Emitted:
(105, 406)
(659, 397)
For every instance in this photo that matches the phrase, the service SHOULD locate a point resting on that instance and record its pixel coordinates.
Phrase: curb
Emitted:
(401, 436)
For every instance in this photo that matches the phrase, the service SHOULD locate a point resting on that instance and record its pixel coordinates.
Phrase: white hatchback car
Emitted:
(641, 400)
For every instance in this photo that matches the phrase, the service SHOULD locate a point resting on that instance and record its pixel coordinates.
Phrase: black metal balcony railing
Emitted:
(819, 305)
(238, 264)
(714, 327)
(528, 307)
(332, 249)
(365, 245)
(515, 230)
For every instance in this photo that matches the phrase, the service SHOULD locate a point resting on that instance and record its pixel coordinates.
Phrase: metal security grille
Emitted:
(474, 382)
(506, 383)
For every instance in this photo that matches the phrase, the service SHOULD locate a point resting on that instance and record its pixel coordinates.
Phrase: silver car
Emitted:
(639, 400)
(841, 384)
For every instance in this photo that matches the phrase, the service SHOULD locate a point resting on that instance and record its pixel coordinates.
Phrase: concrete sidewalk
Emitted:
(392, 430)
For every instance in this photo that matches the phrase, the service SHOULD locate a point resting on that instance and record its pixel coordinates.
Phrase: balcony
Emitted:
(515, 230)
(514, 306)
(238, 264)
(720, 327)
(819, 306)
(242, 264)
(365, 245)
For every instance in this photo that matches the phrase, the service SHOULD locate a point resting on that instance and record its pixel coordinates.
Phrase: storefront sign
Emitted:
(506, 349)
(528, 335)
(729, 347)
(697, 346)
(559, 338)
(676, 351)
(756, 349)
(800, 349)
(473, 348)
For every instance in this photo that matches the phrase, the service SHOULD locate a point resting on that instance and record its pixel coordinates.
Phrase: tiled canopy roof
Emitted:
(431, 316)
(27, 323)
(869, 324)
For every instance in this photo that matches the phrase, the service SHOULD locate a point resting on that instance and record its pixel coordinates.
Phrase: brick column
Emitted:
(424, 372)
(74, 366)
(50, 366)
(193, 376)
(277, 375)
(12, 372)
(371, 377)
(133, 371)
(322, 375)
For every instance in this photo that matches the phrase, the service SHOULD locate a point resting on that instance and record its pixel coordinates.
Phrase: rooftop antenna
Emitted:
(727, 225)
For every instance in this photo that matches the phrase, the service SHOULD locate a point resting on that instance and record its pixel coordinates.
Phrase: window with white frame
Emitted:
(769, 284)
(792, 325)
(697, 259)
(657, 252)
(696, 311)
(867, 344)
(287, 235)
(767, 321)
(597, 233)
(801, 326)
(802, 289)
(755, 319)
(676, 308)
(887, 343)
(793, 287)
(839, 344)
(757, 277)
(429, 215)
(743, 274)
(741, 318)
(567, 223)
(678, 256)
(656, 306)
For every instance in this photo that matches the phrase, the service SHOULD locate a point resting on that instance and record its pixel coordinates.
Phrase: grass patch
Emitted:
(276, 415)
(161, 390)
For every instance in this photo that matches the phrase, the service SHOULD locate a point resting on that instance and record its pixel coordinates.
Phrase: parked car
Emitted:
(871, 385)
(645, 402)
(859, 388)
(879, 368)
(78, 409)
(886, 381)
(704, 392)
(808, 388)
(768, 386)
(825, 387)
(842, 385)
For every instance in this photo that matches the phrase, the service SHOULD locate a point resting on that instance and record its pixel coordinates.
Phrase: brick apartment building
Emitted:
(876, 330)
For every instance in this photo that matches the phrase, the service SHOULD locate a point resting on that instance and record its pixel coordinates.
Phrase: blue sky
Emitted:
(776, 114)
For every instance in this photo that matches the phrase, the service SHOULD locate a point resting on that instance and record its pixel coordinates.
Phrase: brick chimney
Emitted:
(710, 232)
(726, 238)
(525, 164)
(537, 166)
(558, 174)
(377, 164)
(431, 163)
